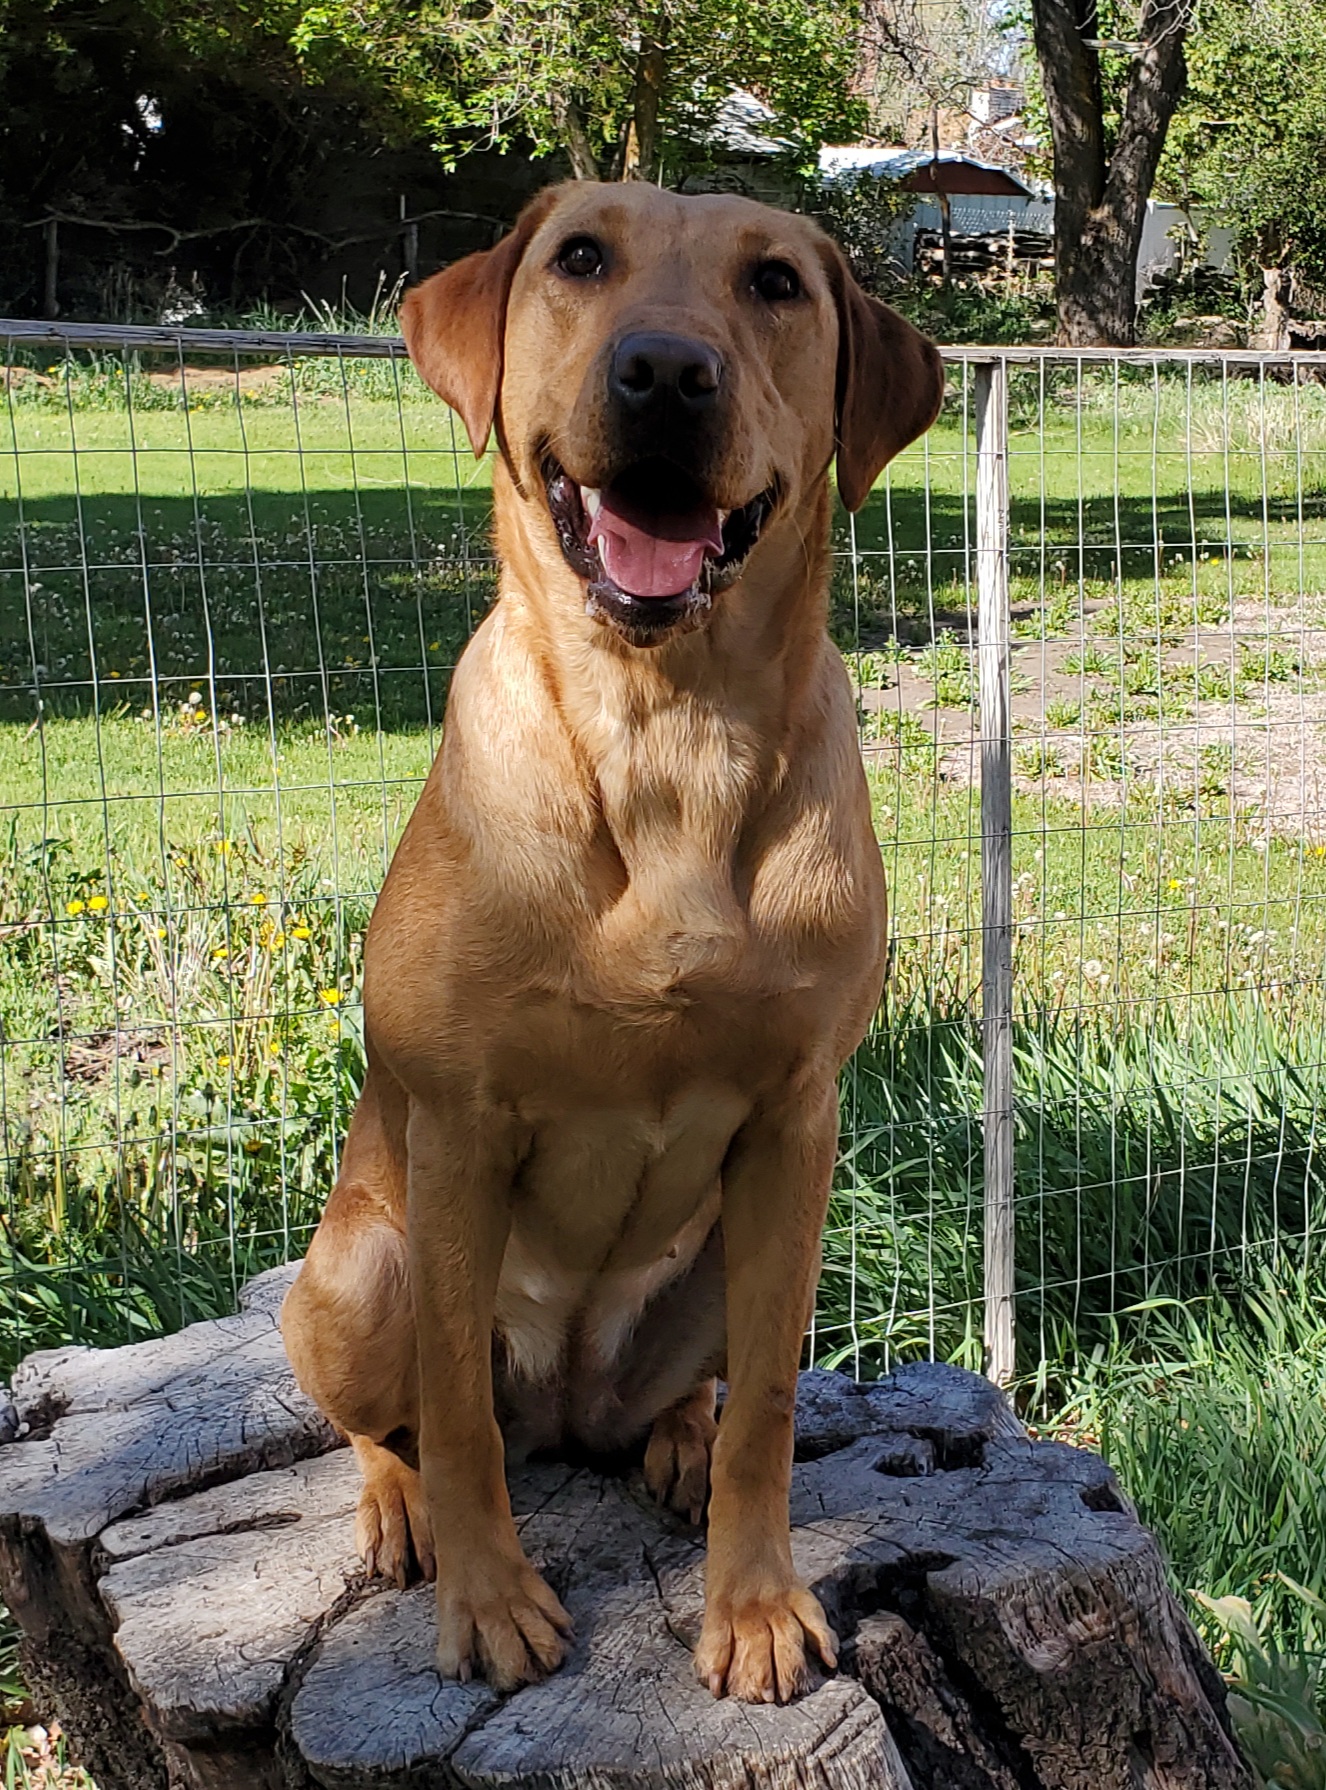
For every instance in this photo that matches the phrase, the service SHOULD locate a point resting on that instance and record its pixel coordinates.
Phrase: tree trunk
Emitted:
(575, 138)
(51, 279)
(651, 72)
(1101, 196)
(945, 206)
(177, 1542)
(1277, 309)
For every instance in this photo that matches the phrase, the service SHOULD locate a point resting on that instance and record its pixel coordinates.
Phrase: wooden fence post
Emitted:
(996, 860)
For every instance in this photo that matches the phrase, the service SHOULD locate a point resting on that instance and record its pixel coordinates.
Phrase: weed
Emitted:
(1089, 661)
(949, 667)
(1037, 760)
(1061, 712)
(904, 743)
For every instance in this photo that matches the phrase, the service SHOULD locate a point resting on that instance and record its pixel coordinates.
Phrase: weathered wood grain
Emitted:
(176, 1536)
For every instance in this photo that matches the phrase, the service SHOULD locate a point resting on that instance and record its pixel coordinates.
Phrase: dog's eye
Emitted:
(582, 258)
(776, 282)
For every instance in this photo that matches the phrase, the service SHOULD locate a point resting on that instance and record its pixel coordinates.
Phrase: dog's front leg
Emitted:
(757, 1613)
(493, 1609)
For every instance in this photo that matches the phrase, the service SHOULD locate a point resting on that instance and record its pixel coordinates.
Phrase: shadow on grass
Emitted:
(307, 608)
(268, 607)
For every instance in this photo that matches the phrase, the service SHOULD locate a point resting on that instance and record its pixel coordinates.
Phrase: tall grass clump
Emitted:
(1214, 1418)
(1158, 1161)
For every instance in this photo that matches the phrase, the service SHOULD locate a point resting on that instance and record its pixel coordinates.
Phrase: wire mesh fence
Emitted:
(1086, 616)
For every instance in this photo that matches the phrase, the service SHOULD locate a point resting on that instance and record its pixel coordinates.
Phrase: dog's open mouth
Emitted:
(652, 546)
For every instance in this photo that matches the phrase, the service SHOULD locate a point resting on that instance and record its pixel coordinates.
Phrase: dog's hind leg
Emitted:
(348, 1325)
(677, 1458)
(392, 1519)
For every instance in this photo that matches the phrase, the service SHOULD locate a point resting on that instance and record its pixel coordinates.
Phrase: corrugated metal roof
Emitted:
(895, 162)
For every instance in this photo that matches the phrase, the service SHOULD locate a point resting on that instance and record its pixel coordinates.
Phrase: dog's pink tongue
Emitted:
(661, 560)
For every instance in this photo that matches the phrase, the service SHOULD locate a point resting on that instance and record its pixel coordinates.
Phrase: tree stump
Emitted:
(176, 1539)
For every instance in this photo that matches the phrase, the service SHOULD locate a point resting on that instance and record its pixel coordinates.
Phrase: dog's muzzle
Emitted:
(652, 547)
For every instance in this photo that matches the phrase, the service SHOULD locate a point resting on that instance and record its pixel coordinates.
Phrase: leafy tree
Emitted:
(148, 134)
(1111, 78)
(620, 87)
(1250, 143)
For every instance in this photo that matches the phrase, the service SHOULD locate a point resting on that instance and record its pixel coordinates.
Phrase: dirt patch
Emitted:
(1228, 718)
(92, 1057)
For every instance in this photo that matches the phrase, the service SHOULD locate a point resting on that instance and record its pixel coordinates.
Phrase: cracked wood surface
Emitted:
(176, 1537)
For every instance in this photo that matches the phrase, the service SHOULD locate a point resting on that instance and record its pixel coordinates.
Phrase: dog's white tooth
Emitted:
(591, 501)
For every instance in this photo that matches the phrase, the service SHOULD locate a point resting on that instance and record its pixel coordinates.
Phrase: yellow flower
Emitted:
(73, 907)
(331, 997)
(301, 932)
(219, 953)
(277, 941)
(1174, 883)
(142, 895)
(223, 1062)
(253, 1145)
(161, 932)
(98, 904)
(273, 1047)
(258, 899)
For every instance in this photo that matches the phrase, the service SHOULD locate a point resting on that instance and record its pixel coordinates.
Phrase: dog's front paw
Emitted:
(498, 1615)
(754, 1647)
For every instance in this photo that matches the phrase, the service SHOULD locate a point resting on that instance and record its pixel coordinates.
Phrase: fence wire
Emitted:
(235, 573)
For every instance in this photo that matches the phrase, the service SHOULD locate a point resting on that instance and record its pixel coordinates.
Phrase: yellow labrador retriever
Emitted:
(634, 927)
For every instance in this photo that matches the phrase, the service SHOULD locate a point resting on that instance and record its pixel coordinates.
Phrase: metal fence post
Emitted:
(996, 860)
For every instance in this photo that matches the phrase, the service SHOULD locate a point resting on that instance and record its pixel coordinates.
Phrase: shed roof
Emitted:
(920, 171)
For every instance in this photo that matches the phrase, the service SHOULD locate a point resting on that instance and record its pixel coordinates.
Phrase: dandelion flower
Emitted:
(223, 1062)
(74, 907)
(258, 899)
(274, 1049)
(219, 953)
(1092, 969)
(301, 932)
(330, 997)
(1174, 883)
(98, 904)
(276, 941)
(161, 932)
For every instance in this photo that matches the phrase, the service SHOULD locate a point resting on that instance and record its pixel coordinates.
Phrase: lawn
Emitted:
(238, 619)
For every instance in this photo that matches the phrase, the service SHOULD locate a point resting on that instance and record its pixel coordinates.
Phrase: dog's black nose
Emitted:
(651, 370)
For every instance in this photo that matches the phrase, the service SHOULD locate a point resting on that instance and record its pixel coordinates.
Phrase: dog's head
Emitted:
(669, 377)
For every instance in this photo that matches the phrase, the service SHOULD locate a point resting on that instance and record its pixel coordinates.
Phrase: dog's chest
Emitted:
(613, 1202)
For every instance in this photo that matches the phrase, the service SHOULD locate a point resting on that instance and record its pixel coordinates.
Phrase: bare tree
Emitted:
(919, 58)
(1101, 190)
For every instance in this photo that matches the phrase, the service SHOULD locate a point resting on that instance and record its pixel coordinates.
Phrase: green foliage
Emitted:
(862, 212)
(1211, 1411)
(1247, 143)
(975, 311)
(950, 667)
(517, 70)
(1277, 1692)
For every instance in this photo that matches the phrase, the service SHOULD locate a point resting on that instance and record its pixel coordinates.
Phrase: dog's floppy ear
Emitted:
(454, 324)
(890, 384)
